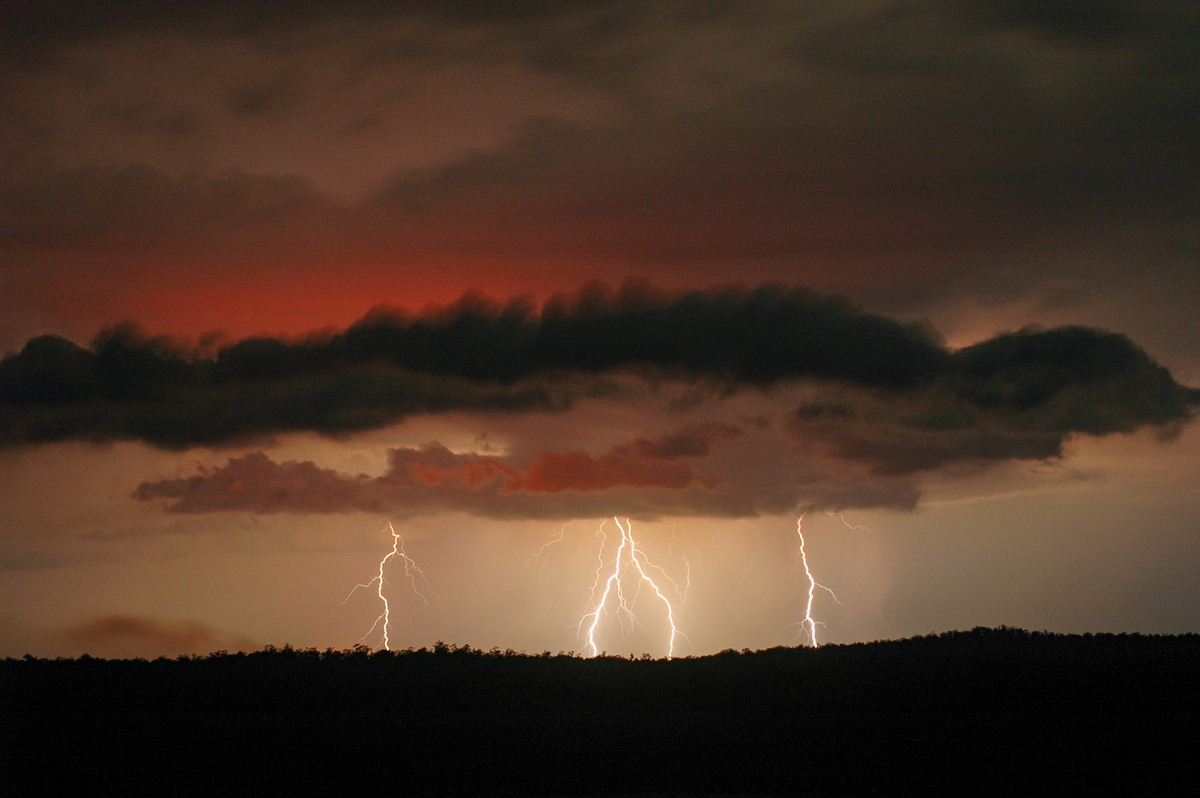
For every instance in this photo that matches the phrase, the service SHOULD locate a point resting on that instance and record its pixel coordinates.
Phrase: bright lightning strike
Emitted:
(633, 556)
(809, 623)
(411, 573)
(628, 554)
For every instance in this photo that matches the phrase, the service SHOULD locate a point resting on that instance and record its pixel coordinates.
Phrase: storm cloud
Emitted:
(906, 154)
(846, 443)
(1018, 396)
(481, 355)
(474, 355)
(245, 180)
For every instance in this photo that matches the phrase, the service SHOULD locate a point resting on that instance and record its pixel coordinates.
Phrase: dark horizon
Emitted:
(988, 711)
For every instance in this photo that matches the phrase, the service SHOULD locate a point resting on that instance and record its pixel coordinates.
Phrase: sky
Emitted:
(564, 293)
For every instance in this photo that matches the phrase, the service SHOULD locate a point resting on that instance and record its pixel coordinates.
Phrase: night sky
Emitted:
(499, 273)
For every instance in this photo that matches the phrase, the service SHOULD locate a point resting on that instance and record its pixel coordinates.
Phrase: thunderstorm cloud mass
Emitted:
(527, 279)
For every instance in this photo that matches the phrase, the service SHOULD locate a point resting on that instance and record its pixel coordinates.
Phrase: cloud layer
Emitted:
(874, 404)
(475, 355)
(226, 164)
(483, 356)
(432, 479)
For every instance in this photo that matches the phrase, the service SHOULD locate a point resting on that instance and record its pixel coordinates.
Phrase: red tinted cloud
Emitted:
(643, 464)
(552, 472)
(471, 473)
(693, 471)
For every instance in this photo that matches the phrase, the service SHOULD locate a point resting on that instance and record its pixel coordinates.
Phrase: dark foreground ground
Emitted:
(986, 712)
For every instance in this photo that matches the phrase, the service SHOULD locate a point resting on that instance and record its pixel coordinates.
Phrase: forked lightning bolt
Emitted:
(809, 623)
(411, 572)
(627, 553)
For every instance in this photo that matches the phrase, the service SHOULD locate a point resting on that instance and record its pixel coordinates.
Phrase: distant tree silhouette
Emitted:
(1078, 712)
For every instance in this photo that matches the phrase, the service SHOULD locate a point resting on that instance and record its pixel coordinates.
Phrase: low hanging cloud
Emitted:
(136, 635)
(684, 472)
(474, 355)
(1018, 396)
(480, 355)
(127, 387)
(875, 403)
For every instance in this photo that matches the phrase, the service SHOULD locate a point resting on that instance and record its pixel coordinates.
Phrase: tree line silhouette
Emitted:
(987, 711)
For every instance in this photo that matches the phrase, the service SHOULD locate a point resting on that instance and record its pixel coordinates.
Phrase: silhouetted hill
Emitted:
(989, 711)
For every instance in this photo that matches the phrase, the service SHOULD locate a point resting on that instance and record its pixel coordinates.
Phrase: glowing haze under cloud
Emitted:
(484, 270)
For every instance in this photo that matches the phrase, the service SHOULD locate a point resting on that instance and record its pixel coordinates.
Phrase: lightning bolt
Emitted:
(809, 623)
(628, 554)
(687, 577)
(627, 531)
(544, 551)
(411, 572)
(614, 580)
(849, 525)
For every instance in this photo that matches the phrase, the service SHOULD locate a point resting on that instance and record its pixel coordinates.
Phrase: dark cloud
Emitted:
(474, 355)
(31, 26)
(1018, 396)
(893, 149)
(951, 147)
(481, 355)
(129, 393)
(1086, 20)
(855, 443)
(1070, 379)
